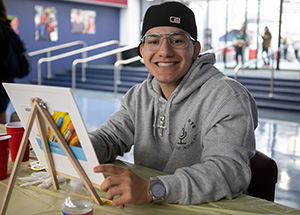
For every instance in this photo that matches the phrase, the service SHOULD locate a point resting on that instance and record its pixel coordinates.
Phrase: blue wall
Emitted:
(107, 28)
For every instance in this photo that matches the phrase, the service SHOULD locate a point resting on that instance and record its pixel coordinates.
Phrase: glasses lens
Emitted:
(151, 41)
(175, 40)
(178, 40)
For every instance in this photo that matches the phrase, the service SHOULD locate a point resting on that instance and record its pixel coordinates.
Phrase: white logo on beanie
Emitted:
(174, 19)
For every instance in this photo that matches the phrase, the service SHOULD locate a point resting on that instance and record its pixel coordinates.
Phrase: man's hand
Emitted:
(131, 188)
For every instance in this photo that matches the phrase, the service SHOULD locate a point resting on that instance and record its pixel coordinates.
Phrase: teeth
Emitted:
(165, 64)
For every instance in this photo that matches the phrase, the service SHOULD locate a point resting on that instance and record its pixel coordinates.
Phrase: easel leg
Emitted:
(49, 159)
(13, 175)
(76, 164)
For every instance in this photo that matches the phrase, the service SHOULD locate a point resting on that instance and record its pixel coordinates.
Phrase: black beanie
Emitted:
(173, 14)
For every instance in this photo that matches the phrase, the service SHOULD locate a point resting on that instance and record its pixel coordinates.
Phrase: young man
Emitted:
(187, 119)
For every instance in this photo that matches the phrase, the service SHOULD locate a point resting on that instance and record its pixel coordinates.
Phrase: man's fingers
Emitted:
(114, 192)
(120, 200)
(109, 168)
(124, 186)
(111, 181)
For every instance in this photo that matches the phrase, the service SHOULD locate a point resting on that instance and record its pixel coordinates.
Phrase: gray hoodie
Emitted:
(203, 135)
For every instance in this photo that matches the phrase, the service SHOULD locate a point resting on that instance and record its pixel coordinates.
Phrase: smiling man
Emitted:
(168, 55)
(187, 119)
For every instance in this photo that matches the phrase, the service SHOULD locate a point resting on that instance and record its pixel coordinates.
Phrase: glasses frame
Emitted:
(167, 36)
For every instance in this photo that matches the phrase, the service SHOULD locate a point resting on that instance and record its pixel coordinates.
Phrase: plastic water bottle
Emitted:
(77, 200)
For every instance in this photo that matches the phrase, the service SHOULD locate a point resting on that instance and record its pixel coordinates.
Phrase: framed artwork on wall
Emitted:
(45, 20)
(83, 21)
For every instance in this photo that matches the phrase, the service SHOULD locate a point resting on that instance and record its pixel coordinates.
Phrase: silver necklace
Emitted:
(161, 125)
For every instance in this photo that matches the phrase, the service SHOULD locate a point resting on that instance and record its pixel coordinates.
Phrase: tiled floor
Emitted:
(278, 136)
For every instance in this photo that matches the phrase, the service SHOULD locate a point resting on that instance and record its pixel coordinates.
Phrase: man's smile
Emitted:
(162, 64)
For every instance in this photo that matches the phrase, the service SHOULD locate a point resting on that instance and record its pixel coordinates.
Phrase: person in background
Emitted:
(284, 40)
(267, 37)
(240, 43)
(14, 61)
(187, 119)
(296, 47)
(4, 77)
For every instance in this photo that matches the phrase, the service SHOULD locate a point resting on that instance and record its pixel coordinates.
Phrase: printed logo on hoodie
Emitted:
(187, 137)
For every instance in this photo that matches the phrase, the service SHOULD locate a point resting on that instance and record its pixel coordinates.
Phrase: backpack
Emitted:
(17, 62)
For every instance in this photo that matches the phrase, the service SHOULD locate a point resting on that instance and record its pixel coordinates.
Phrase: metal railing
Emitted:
(117, 67)
(95, 57)
(55, 48)
(68, 54)
(251, 62)
(118, 64)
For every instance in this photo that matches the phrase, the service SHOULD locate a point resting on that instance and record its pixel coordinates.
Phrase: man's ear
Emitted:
(197, 49)
(140, 49)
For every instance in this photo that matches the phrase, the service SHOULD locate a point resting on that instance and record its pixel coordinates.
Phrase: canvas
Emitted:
(63, 109)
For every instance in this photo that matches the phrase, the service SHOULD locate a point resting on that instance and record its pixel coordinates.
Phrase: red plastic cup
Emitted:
(4, 154)
(16, 130)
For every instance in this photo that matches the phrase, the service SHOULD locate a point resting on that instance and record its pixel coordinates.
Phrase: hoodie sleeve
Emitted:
(224, 170)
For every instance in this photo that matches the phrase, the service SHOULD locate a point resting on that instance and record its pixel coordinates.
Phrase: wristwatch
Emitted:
(157, 190)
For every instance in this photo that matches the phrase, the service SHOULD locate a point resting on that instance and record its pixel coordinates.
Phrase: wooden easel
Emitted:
(40, 113)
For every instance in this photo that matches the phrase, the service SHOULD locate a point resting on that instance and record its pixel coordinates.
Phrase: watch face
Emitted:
(158, 190)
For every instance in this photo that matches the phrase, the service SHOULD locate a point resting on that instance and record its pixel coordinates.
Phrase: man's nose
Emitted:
(165, 48)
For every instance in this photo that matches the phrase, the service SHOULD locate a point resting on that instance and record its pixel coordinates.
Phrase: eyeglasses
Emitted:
(175, 40)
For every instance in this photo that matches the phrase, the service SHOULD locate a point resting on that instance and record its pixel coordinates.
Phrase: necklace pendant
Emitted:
(161, 126)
